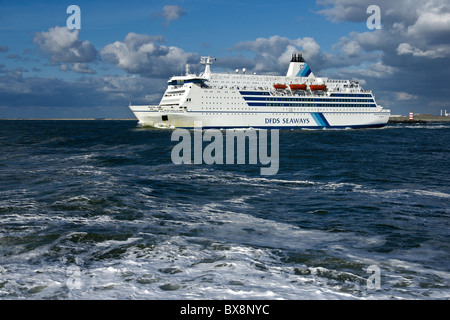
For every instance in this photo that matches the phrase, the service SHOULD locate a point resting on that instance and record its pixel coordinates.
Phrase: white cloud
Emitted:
(356, 11)
(379, 70)
(376, 70)
(171, 12)
(431, 26)
(309, 46)
(275, 46)
(351, 48)
(95, 96)
(82, 68)
(411, 50)
(145, 55)
(433, 53)
(272, 55)
(405, 96)
(424, 25)
(60, 44)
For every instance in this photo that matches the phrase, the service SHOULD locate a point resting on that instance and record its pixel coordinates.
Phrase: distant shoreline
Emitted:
(420, 118)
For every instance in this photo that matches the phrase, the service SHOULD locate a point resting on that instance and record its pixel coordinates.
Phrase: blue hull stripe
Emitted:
(320, 119)
(324, 119)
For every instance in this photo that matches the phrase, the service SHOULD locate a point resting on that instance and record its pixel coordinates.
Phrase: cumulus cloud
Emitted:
(344, 10)
(420, 28)
(439, 52)
(82, 68)
(411, 50)
(275, 46)
(356, 11)
(60, 44)
(272, 55)
(351, 48)
(433, 26)
(147, 56)
(106, 96)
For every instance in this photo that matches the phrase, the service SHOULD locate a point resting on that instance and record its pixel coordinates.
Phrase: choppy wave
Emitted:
(106, 215)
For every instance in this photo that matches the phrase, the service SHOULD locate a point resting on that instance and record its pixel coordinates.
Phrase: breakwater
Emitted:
(421, 118)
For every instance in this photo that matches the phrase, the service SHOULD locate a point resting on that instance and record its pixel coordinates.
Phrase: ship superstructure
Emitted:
(240, 100)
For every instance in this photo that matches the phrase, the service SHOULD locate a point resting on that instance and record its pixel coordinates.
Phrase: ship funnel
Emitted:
(298, 67)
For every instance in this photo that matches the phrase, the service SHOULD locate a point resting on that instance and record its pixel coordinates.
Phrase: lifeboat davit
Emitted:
(279, 86)
(298, 86)
(316, 87)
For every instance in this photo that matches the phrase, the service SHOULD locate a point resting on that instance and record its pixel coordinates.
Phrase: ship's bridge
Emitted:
(180, 81)
(176, 81)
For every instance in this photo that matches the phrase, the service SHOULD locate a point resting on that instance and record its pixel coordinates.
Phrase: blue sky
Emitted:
(126, 50)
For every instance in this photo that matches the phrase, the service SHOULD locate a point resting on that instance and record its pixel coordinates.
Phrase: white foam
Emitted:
(436, 194)
(210, 251)
(401, 192)
(431, 126)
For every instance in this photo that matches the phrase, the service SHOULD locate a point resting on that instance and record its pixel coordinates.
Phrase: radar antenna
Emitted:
(207, 61)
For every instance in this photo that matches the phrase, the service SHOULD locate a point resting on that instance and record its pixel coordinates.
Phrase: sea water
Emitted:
(97, 210)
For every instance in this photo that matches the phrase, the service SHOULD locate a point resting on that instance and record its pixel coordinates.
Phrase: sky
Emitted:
(125, 51)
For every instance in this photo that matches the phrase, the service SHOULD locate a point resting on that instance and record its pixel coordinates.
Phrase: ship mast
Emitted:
(207, 61)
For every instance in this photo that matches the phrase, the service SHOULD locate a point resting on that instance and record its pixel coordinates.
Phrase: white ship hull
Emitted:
(297, 100)
(267, 120)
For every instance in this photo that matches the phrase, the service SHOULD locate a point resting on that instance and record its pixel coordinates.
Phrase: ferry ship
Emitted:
(240, 100)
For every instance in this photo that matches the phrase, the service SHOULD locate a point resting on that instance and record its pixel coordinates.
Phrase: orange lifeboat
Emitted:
(279, 86)
(298, 86)
(315, 87)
